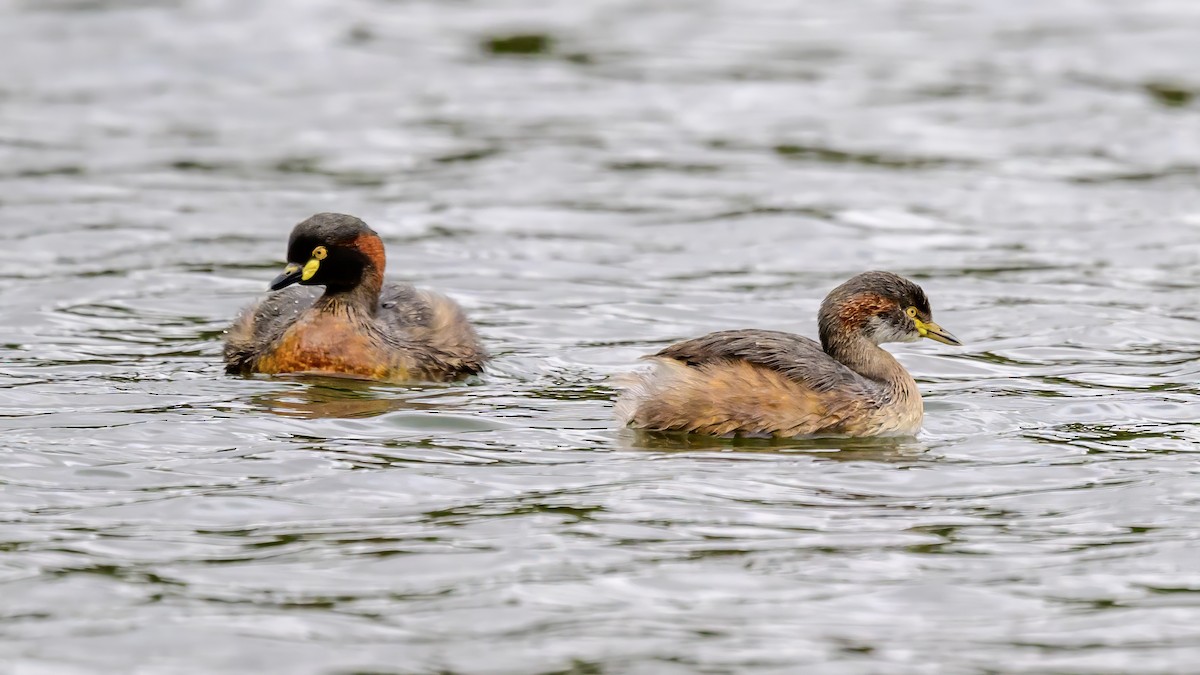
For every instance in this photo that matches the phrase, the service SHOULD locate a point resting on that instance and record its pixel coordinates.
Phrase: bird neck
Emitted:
(874, 363)
(362, 297)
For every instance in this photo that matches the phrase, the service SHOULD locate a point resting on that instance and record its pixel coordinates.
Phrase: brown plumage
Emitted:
(769, 383)
(359, 326)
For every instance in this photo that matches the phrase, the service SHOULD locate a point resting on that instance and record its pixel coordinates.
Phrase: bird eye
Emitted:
(912, 311)
(319, 253)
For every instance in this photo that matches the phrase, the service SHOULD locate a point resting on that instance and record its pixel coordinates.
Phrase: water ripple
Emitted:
(592, 181)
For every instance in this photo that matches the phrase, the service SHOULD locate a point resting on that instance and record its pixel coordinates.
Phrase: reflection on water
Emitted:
(322, 397)
(593, 180)
(848, 449)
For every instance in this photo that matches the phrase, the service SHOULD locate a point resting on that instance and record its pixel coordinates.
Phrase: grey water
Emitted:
(592, 180)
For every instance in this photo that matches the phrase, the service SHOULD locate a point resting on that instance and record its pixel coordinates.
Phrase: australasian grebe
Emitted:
(770, 383)
(359, 326)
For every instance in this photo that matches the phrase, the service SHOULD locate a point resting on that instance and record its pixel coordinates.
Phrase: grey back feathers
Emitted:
(798, 358)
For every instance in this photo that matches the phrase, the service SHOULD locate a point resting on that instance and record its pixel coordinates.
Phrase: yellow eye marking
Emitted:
(310, 268)
(919, 324)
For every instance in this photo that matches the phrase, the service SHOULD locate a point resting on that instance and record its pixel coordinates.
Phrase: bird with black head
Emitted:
(360, 325)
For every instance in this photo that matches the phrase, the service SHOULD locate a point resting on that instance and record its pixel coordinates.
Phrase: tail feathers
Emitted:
(635, 388)
(448, 333)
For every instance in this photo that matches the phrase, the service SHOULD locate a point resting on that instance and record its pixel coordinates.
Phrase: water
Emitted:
(593, 180)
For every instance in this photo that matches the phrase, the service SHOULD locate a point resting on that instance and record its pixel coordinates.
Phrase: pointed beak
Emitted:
(935, 332)
(291, 274)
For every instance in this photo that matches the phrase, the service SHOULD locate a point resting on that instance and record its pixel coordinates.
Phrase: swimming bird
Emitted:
(771, 383)
(360, 326)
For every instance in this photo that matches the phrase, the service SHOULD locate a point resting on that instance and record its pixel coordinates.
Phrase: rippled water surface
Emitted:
(592, 180)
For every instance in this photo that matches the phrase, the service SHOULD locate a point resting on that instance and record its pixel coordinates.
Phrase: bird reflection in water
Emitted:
(339, 397)
(881, 449)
